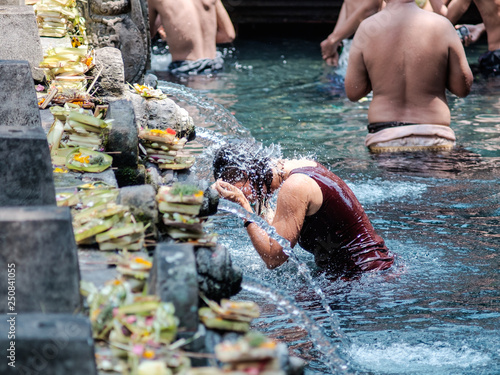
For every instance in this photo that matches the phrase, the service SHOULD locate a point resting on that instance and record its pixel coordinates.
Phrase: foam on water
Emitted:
(403, 358)
(378, 190)
(160, 62)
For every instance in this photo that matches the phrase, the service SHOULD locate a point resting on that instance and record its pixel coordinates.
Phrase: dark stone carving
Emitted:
(122, 24)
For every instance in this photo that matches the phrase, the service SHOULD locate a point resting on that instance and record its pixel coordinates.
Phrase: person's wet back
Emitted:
(315, 208)
(193, 29)
(408, 57)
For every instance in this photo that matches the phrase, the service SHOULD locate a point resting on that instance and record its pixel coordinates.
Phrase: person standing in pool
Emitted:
(489, 62)
(408, 57)
(351, 14)
(193, 28)
(315, 208)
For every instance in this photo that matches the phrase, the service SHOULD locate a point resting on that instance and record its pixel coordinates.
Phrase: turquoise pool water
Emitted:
(437, 311)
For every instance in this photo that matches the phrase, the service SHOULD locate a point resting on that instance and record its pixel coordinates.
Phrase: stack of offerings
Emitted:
(164, 148)
(56, 18)
(229, 315)
(98, 219)
(65, 69)
(134, 270)
(180, 205)
(136, 331)
(76, 138)
(253, 353)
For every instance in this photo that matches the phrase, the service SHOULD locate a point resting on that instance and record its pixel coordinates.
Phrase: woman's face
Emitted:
(247, 189)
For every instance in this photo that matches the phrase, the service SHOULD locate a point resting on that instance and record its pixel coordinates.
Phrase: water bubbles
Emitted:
(241, 67)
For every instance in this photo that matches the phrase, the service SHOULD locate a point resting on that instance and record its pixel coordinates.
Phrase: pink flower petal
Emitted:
(131, 319)
(138, 349)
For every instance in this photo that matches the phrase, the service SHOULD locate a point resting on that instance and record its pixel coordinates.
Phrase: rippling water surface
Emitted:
(437, 311)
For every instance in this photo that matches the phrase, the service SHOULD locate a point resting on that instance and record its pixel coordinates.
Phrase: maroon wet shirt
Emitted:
(340, 234)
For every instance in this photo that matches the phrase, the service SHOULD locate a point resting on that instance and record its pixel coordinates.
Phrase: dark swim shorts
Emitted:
(378, 126)
(489, 63)
(201, 66)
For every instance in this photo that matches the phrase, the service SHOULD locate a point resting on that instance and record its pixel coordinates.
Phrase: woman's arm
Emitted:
(291, 207)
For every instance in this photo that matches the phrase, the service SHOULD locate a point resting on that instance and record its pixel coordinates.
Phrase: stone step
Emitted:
(38, 248)
(47, 344)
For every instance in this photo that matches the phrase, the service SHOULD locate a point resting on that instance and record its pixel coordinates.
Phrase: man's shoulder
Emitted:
(387, 17)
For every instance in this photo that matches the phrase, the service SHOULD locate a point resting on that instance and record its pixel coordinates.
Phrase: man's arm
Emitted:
(460, 76)
(225, 28)
(347, 24)
(357, 82)
(453, 11)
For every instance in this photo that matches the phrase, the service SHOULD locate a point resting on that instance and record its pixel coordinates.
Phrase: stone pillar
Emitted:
(26, 169)
(123, 137)
(173, 278)
(19, 105)
(12, 2)
(47, 344)
(122, 24)
(109, 62)
(217, 277)
(142, 202)
(20, 38)
(38, 246)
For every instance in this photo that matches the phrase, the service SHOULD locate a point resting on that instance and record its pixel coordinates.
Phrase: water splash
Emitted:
(330, 353)
(341, 70)
(231, 207)
(206, 113)
(404, 358)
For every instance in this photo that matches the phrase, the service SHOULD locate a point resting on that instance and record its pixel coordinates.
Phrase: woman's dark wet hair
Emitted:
(241, 163)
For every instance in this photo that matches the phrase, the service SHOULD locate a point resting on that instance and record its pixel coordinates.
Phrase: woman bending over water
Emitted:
(315, 208)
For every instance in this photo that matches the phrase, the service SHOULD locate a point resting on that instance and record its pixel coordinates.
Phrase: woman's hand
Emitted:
(232, 193)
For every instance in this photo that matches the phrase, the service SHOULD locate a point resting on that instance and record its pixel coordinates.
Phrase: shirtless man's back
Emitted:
(408, 57)
(193, 27)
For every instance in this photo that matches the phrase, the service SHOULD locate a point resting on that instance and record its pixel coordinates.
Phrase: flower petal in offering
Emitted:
(148, 92)
(86, 160)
